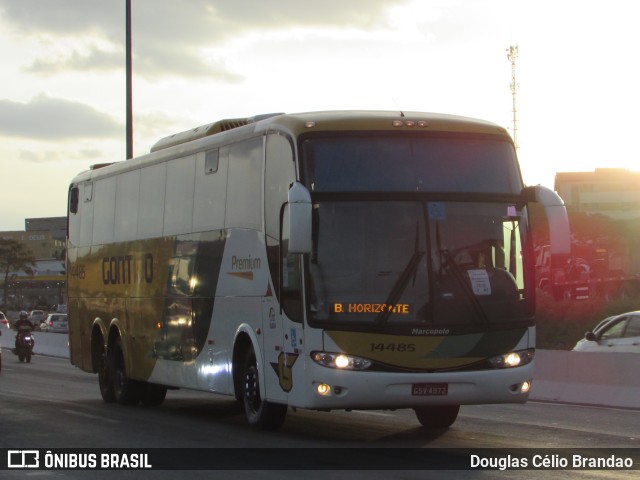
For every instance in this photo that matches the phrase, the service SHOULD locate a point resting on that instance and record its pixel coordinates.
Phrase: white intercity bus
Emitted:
(327, 260)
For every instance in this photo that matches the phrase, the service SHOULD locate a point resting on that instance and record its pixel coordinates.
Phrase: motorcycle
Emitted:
(24, 345)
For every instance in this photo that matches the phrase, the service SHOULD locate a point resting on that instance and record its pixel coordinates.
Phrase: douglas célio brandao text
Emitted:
(551, 461)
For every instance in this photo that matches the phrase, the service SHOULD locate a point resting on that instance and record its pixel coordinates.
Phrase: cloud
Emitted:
(45, 118)
(47, 156)
(169, 37)
(192, 19)
(95, 59)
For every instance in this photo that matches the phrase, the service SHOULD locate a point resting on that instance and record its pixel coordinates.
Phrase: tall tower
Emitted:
(512, 54)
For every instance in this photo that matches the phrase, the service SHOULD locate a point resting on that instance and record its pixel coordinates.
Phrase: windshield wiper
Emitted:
(400, 286)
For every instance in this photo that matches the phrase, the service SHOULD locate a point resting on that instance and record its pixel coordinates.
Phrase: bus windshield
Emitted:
(411, 260)
(450, 163)
(414, 262)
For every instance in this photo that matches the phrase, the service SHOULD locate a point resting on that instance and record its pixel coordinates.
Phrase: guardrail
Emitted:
(604, 379)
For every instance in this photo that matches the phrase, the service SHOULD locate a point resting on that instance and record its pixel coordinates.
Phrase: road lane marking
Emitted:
(89, 415)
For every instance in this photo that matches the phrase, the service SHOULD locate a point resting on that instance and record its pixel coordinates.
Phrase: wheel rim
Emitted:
(252, 389)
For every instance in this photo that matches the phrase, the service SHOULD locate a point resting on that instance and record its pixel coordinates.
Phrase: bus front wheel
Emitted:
(153, 395)
(437, 416)
(260, 413)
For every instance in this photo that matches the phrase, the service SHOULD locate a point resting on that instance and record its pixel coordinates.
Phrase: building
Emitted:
(612, 192)
(46, 239)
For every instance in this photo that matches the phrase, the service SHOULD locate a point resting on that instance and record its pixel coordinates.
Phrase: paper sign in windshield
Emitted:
(479, 282)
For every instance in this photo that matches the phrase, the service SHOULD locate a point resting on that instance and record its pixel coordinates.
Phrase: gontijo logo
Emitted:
(23, 459)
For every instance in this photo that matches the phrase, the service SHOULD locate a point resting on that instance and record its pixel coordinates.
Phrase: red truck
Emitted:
(584, 274)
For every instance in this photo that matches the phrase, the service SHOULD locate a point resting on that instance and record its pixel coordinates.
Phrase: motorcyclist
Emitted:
(23, 324)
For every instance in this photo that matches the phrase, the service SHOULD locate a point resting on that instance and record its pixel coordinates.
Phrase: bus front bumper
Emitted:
(328, 389)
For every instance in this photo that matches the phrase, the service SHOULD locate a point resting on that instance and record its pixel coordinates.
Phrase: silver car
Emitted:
(36, 317)
(620, 333)
(55, 322)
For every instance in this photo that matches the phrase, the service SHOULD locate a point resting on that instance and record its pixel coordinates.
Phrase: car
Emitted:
(36, 317)
(55, 322)
(4, 323)
(620, 333)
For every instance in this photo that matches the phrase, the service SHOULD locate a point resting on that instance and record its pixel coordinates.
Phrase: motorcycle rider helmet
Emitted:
(23, 315)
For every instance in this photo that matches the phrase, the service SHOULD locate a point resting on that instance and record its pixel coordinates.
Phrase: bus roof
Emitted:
(339, 120)
(298, 124)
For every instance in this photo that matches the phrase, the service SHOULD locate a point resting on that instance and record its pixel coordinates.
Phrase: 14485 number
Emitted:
(393, 347)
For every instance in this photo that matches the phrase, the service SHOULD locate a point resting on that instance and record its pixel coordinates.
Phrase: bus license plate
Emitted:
(429, 389)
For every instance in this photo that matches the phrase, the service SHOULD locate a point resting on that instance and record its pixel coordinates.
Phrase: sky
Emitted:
(62, 76)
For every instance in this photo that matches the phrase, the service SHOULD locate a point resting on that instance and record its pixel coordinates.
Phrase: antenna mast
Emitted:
(512, 54)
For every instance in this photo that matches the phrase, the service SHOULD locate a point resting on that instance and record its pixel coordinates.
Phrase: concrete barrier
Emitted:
(587, 378)
(605, 379)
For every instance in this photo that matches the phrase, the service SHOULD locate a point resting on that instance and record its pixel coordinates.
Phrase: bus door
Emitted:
(276, 375)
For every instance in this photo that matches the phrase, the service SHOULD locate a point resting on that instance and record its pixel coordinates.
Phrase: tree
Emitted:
(14, 256)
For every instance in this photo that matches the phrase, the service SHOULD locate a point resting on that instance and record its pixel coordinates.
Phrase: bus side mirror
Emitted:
(299, 219)
(556, 212)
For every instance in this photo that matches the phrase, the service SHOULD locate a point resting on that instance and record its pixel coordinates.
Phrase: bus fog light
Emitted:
(523, 387)
(323, 389)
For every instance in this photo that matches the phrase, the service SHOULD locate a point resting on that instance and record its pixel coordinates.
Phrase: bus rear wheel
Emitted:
(437, 416)
(260, 413)
(126, 390)
(104, 377)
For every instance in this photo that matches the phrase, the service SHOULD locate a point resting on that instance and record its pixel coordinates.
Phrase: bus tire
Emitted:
(153, 395)
(437, 416)
(260, 413)
(104, 377)
(126, 390)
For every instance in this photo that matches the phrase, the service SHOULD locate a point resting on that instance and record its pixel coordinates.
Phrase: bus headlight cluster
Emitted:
(513, 359)
(340, 361)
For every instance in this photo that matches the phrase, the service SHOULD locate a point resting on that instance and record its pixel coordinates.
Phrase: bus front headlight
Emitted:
(340, 361)
(513, 359)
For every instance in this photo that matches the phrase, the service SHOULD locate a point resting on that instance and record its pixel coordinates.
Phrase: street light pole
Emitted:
(129, 83)
(512, 54)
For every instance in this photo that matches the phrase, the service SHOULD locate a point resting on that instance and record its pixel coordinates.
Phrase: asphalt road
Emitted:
(50, 404)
